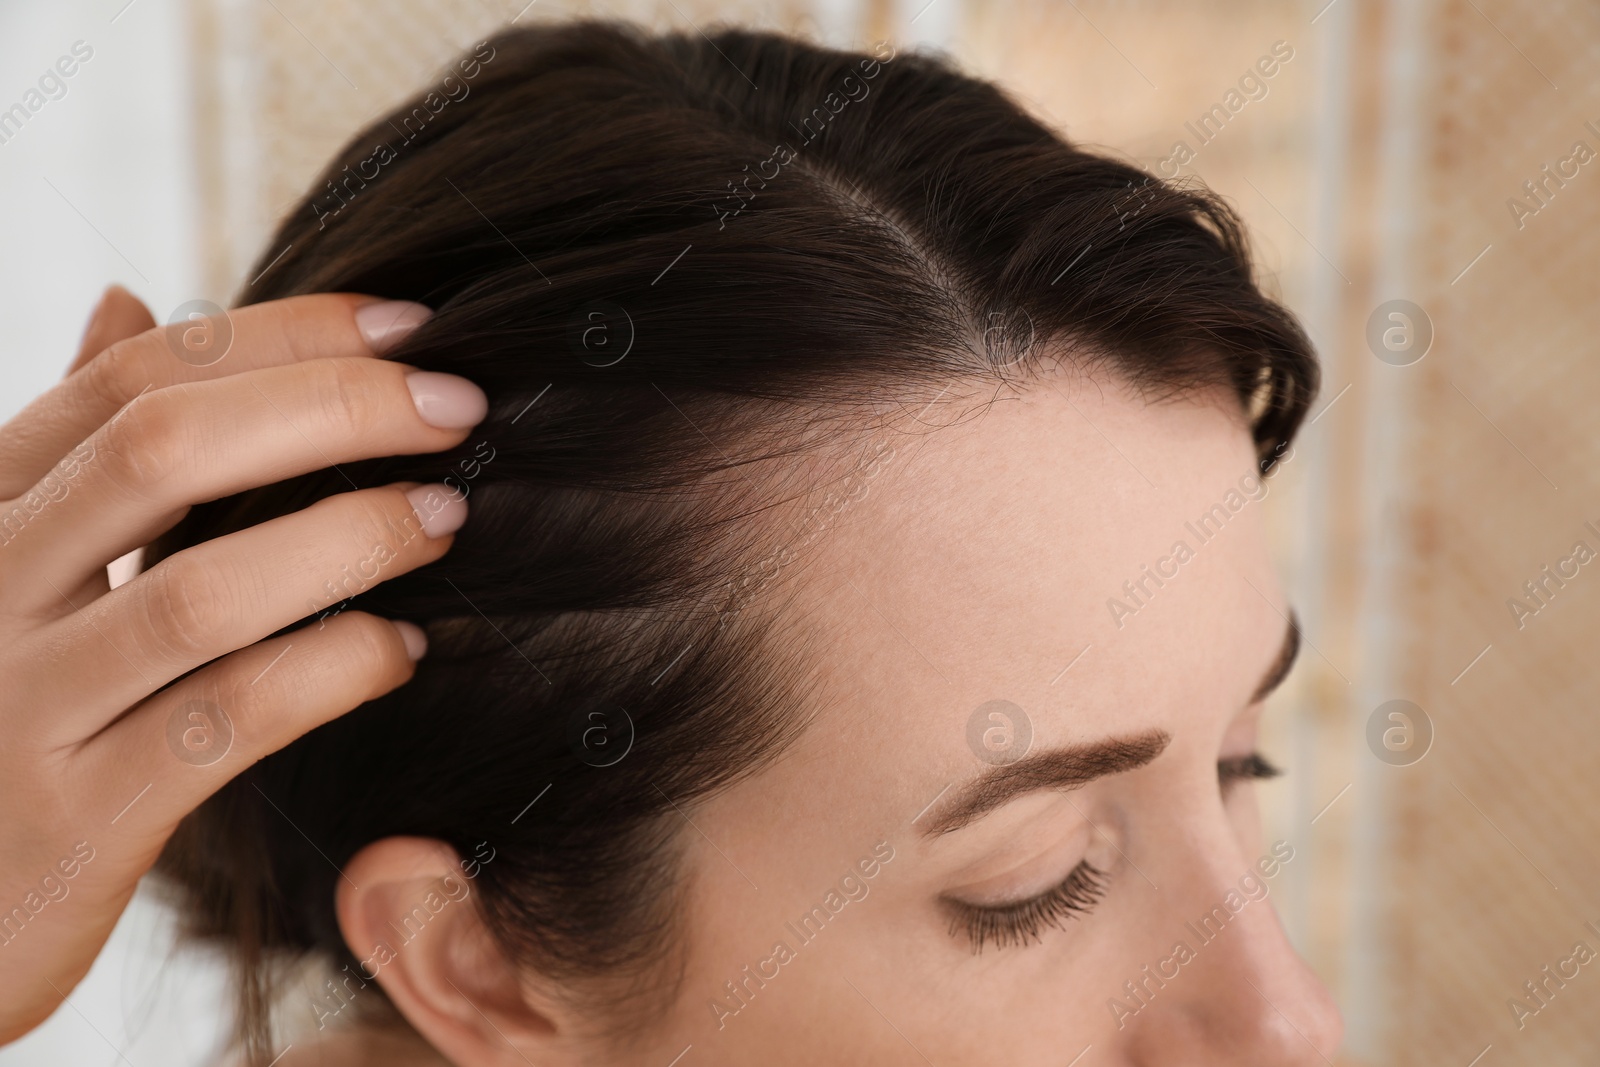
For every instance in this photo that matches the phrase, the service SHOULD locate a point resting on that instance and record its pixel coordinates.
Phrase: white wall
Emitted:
(116, 147)
(98, 184)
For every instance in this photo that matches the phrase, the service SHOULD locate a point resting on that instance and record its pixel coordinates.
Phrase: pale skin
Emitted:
(102, 464)
(976, 567)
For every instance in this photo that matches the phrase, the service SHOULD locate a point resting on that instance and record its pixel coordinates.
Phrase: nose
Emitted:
(1240, 994)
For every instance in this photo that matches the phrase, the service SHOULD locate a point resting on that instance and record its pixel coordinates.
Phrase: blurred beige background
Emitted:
(1384, 161)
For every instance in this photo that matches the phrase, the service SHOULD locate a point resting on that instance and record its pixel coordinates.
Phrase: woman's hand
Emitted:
(100, 757)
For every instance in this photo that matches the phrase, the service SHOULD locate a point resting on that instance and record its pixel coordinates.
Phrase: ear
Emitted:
(407, 907)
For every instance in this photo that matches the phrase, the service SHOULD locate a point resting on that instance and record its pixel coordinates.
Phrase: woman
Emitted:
(856, 646)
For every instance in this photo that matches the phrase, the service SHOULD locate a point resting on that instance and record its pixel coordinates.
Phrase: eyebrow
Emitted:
(1061, 768)
(1284, 663)
(1077, 765)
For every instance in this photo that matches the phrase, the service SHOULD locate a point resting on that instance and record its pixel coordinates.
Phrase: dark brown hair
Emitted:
(677, 265)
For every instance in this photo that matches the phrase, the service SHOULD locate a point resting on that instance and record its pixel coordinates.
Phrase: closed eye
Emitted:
(1235, 768)
(1023, 921)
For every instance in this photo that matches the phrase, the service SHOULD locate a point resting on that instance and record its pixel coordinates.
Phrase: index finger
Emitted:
(296, 328)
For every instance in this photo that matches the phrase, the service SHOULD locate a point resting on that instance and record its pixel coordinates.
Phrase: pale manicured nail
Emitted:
(441, 511)
(385, 323)
(447, 401)
(416, 641)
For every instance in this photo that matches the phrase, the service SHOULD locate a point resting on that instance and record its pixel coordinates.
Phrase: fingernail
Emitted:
(416, 641)
(447, 401)
(441, 511)
(385, 323)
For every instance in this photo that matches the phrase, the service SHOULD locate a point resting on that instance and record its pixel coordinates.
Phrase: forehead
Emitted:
(977, 560)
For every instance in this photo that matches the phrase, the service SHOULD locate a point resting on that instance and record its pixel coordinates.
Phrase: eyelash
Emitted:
(1255, 765)
(1022, 922)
